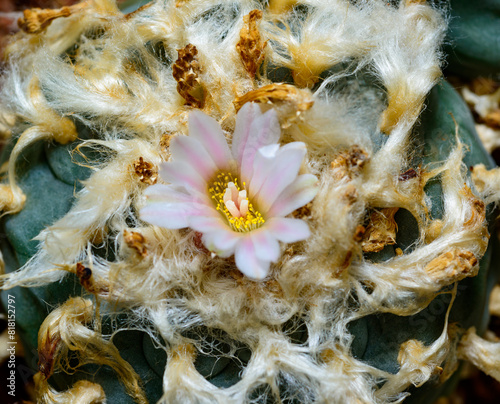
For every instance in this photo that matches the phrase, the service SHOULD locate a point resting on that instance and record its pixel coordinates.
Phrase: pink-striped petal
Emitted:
(288, 230)
(246, 115)
(247, 261)
(266, 246)
(282, 171)
(171, 193)
(211, 222)
(172, 215)
(183, 174)
(209, 133)
(263, 131)
(191, 151)
(262, 167)
(222, 242)
(297, 194)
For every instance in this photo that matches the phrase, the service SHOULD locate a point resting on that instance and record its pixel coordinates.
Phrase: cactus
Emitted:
(373, 267)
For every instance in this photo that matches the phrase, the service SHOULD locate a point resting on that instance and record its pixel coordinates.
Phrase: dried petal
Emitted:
(146, 171)
(349, 163)
(381, 230)
(186, 71)
(250, 47)
(135, 241)
(300, 100)
(452, 266)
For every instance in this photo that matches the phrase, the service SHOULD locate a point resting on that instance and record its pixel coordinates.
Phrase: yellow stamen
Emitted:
(226, 192)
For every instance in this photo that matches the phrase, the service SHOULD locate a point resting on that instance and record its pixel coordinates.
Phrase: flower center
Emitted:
(233, 203)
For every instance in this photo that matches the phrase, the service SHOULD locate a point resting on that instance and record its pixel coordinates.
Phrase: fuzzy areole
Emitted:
(357, 75)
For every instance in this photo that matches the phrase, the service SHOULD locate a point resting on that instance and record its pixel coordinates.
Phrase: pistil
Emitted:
(233, 203)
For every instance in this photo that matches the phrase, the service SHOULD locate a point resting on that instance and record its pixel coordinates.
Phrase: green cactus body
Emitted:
(473, 51)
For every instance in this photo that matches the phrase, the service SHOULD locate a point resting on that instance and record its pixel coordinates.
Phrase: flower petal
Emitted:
(297, 194)
(246, 115)
(183, 174)
(171, 207)
(208, 132)
(266, 246)
(247, 261)
(168, 193)
(251, 134)
(171, 215)
(262, 167)
(288, 230)
(281, 172)
(191, 151)
(211, 222)
(222, 242)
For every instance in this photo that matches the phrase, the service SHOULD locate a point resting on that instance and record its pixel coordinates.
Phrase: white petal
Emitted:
(288, 230)
(167, 193)
(191, 151)
(262, 167)
(209, 133)
(183, 174)
(174, 193)
(222, 242)
(246, 115)
(171, 215)
(170, 206)
(283, 172)
(266, 246)
(211, 222)
(263, 131)
(297, 194)
(247, 261)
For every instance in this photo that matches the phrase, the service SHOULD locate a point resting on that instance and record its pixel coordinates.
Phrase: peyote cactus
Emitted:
(243, 202)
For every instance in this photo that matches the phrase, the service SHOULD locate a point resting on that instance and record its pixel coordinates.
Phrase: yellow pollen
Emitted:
(233, 203)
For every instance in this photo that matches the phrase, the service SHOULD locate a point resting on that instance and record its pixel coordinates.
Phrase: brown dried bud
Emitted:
(381, 230)
(146, 171)
(46, 354)
(478, 209)
(250, 47)
(349, 162)
(186, 70)
(407, 175)
(277, 93)
(87, 280)
(165, 141)
(135, 241)
(35, 20)
(452, 266)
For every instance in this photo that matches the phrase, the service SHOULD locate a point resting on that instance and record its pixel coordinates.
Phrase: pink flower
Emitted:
(237, 198)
